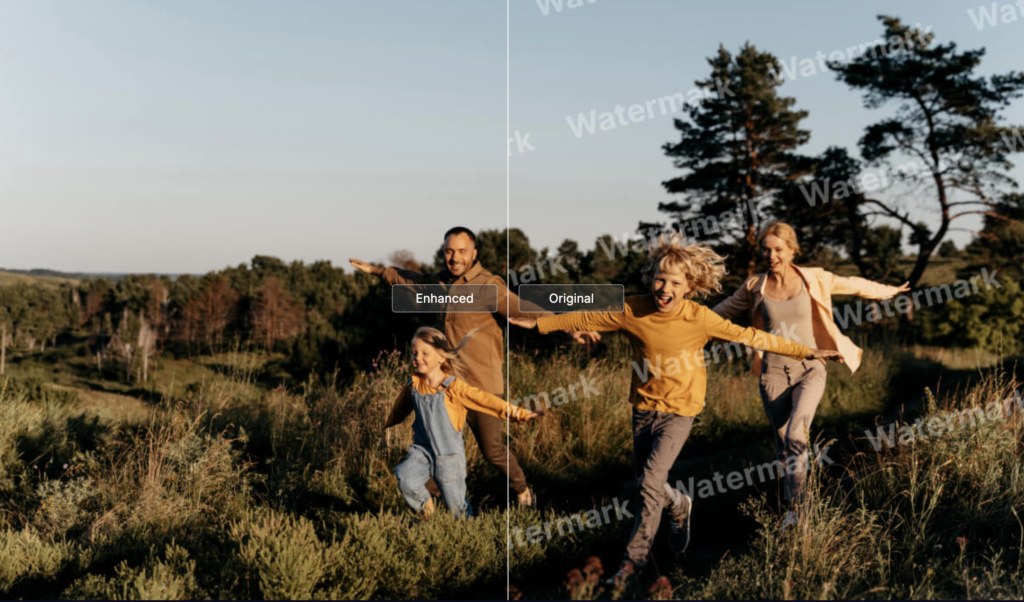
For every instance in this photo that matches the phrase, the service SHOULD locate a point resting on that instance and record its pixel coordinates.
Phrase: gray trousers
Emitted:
(658, 437)
(790, 394)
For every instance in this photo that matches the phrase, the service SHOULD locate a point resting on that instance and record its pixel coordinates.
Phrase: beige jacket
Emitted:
(484, 353)
(821, 285)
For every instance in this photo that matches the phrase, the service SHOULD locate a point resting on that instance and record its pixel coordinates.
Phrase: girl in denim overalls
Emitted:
(440, 401)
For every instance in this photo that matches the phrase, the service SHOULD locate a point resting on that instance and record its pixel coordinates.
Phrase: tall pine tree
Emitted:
(946, 120)
(737, 148)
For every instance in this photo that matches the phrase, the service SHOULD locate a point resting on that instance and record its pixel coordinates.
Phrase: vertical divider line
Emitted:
(508, 337)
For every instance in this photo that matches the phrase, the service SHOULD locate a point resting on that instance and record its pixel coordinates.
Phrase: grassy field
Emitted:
(8, 278)
(214, 480)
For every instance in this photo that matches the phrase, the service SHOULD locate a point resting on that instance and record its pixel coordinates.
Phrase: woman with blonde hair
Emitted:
(668, 332)
(796, 301)
(440, 400)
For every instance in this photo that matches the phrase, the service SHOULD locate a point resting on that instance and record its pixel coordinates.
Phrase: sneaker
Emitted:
(679, 524)
(527, 498)
(428, 509)
(791, 519)
(624, 576)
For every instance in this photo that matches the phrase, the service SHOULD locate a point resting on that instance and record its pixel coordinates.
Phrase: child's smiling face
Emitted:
(669, 289)
(425, 359)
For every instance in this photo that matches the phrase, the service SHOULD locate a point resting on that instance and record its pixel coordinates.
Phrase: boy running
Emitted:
(668, 332)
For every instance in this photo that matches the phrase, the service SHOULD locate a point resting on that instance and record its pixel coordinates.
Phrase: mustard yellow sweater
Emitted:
(668, 368)
(459, 398)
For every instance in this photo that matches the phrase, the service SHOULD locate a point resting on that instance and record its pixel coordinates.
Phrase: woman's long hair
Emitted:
(453, 363)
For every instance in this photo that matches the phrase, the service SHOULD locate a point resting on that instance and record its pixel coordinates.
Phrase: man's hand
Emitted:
(826, 354)
(527, 323)
(585, 336)
(362, 266)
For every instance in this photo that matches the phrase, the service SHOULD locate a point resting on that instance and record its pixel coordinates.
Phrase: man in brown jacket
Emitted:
(484, 353)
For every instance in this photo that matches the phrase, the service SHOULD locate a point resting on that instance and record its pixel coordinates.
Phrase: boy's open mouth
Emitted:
(663, 299)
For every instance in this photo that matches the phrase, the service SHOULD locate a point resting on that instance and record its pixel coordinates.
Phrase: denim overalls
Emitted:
(436, 451)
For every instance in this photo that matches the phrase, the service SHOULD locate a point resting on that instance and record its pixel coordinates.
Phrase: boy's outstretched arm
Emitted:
(720, 328)
(513, 303)
(401, 408)
(573, 322)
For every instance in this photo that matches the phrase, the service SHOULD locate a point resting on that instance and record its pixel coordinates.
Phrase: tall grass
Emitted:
(228, 489)
(929, 519)
(936, 518)
(229, 492)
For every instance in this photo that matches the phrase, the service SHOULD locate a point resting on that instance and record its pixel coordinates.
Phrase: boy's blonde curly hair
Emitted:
(702, 266)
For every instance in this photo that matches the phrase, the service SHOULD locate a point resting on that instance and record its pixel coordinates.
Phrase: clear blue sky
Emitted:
(622, 52)
(186, 136)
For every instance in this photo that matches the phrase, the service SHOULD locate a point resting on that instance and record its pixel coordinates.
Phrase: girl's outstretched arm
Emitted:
(482, 401)
(401, 408)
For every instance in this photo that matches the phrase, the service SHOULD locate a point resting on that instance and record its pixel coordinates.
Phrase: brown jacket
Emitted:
(484, 353)
(821, 285)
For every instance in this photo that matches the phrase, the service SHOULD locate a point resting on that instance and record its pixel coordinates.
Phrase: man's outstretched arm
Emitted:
(391, 275)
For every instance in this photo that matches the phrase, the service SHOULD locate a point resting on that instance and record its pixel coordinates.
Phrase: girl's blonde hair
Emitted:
(783, 231)
(702, 266)
(453, 364)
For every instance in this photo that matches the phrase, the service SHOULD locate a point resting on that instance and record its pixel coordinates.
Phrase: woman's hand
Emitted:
(826, 354)
(527, 323)
(362, 266)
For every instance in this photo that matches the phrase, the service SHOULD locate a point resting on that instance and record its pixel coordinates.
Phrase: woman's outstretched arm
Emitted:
(740, 301)
(862, 287)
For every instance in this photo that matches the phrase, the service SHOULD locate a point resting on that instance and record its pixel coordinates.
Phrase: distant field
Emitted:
(940, 270)
(9, 278)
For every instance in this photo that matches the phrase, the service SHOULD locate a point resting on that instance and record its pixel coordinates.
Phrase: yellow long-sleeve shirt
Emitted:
(669, 373)
(460, 397)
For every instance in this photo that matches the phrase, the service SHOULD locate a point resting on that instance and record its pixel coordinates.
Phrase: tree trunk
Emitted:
(3, 351)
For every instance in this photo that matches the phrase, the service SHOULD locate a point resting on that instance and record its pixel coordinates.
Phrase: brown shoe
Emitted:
(428, 509)
(527, 498)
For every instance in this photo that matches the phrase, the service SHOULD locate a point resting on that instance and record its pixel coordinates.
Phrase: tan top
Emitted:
(458, 398)
(669, 373)
(821, 285)
(484, 353)
(790, 319)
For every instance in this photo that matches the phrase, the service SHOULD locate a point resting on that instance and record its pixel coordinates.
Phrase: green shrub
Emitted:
(279, 555)
(169, 578)
(25, 555)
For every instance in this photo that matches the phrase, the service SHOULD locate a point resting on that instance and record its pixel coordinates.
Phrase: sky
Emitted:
(610, 52)
(186, 136)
